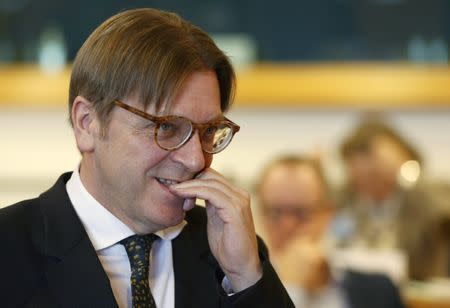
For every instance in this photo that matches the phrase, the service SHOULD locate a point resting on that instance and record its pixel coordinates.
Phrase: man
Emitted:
(388, 207)
(296, 213)
(147, 95)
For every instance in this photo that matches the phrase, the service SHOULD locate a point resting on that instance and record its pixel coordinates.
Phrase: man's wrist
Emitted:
(243, 281)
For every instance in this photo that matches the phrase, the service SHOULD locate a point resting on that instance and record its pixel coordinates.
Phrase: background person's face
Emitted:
(291, 197)
(373, 174)
(128, 173)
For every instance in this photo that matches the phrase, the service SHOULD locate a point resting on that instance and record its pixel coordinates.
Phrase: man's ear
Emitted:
(85, 124)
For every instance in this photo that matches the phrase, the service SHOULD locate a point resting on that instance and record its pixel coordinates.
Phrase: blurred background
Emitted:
(308, 72)
(285, 30)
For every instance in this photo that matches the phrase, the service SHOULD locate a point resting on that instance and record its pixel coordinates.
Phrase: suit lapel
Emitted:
(78, 279)
(73, 271)
(194, 266)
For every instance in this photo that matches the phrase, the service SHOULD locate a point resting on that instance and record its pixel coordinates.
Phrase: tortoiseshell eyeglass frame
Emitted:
(194, 126)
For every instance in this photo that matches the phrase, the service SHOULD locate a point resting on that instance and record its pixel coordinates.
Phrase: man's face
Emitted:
(292, 198)
(128, 173)
(373, 174)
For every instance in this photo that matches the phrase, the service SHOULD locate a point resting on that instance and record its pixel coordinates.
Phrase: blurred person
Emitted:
(296, 207)
(147, 98)
(387, 206)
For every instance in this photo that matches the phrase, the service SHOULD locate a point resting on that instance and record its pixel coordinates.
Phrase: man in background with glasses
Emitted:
(147, 96)
(297, 210)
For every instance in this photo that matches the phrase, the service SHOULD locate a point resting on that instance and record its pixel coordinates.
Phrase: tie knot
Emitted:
(143, 240)
(138, 247)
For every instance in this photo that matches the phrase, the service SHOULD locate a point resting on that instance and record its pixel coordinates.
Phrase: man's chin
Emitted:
(176, 217)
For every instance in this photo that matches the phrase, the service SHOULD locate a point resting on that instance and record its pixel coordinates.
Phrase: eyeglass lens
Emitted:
(175, 131)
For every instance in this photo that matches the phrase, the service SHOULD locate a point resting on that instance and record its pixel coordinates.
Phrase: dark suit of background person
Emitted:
(296, 213)
(147, 95)
(370, 291)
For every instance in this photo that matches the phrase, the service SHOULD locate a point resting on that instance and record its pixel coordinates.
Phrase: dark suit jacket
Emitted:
(370, 291)
(47, 260)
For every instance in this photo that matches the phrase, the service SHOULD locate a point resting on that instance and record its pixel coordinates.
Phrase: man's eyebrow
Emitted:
(217, 118)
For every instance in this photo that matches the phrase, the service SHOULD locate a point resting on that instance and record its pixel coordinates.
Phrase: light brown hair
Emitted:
(361, 139)
(147, 53)
(292, 161)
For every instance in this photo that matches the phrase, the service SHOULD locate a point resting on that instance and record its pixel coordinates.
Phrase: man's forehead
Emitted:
(295, 174)
(167, 107)
(293, 185)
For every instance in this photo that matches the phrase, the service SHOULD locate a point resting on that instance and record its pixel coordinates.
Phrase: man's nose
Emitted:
(288, 221)
(191, 154)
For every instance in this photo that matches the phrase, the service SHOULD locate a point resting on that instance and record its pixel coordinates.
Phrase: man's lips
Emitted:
(166, 182)
(188, 203)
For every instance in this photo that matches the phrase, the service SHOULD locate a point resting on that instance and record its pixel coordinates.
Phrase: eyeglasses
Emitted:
(300, 213)
(172, 132)
(277, 213)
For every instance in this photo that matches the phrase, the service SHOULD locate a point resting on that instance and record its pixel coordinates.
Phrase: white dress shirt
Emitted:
(105, 231)
(331, 296)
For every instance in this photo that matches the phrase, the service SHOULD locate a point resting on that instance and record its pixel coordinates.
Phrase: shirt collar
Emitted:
(103, 228)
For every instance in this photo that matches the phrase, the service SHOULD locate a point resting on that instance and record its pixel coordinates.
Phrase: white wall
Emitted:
(266, 133)
(36, 146)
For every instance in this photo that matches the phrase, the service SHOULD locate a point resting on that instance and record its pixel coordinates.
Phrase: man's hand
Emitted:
(231, 232)
(301, 262)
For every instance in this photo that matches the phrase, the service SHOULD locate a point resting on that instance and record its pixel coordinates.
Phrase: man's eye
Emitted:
(210, 130)
(166, 127)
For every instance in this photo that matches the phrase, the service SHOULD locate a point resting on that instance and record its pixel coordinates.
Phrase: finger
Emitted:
(209, 190)
(226, 204)
(211, 174)
(188, 204)
(208, 173)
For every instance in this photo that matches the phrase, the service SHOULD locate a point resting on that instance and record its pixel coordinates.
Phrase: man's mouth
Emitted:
(166, 182)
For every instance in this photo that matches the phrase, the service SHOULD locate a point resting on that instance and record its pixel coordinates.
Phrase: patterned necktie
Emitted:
(138, 250)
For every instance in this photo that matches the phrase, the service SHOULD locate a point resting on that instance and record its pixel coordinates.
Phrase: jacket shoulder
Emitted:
(16, 216)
